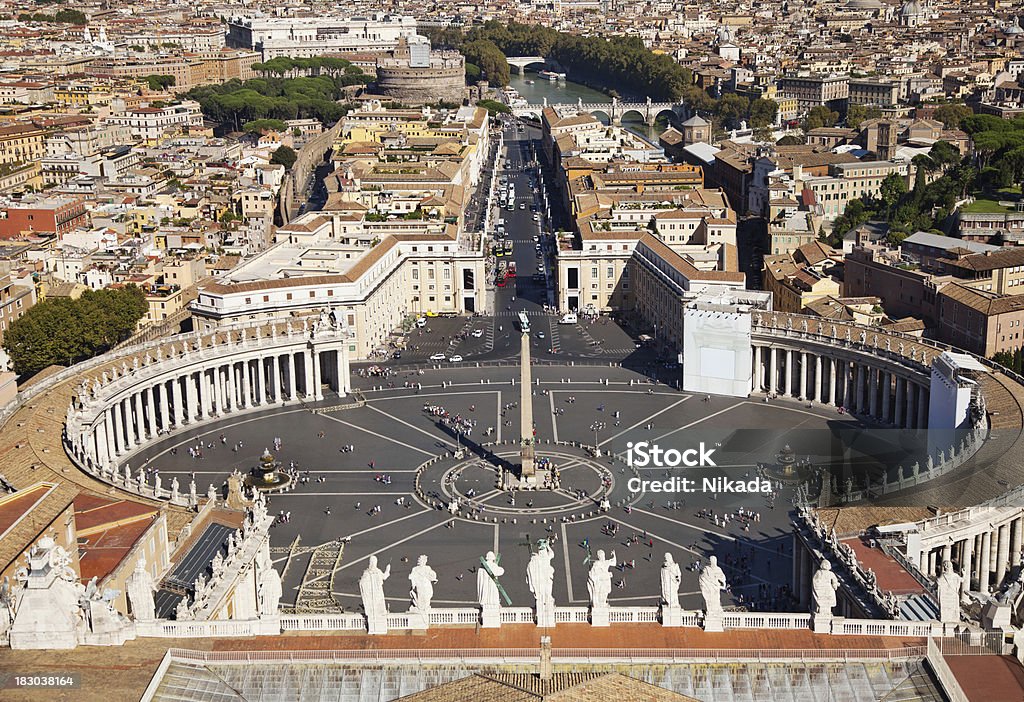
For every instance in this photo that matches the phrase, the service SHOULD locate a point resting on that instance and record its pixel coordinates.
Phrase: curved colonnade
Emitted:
(150, 392)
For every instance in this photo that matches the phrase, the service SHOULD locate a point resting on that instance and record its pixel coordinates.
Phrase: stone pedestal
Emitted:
(490, 618)
(821, 623)
(714, 621)
(996, 615)
(419, 621)
(671, 616)
(268, 625)
(376, 624)
(599, 616)
(546, 615)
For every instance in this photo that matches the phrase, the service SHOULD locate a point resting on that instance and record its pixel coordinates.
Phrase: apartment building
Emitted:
(41, 215)
(809, 91)
(150, 124)
(15, 301)
(20, 143)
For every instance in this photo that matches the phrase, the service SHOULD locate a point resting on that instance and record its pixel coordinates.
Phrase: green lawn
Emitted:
(984, 206)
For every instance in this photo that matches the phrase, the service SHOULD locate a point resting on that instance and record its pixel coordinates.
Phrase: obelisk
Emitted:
(526, 456)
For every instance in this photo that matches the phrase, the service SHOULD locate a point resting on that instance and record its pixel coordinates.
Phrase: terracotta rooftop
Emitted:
(107, 530)
(891, 575)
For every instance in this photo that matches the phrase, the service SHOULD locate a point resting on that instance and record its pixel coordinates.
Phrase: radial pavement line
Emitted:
(438, 436)
(554, 417)
(379, 436)
(705, 529)
(645, 420)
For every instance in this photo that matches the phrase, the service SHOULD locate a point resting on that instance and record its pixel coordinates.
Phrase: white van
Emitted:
(569, 318)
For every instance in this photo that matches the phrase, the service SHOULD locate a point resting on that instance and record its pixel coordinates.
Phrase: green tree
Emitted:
(732, 109)
(892, 188)
(258, 126)
(820, 116)
(762, 112)
(159, 81)
(65, 331)
(494, 107)
(486, 54)
(952, 115)
(286, 156)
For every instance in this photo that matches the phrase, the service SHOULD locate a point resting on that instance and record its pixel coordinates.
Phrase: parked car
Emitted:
(455, 359)
(477, 333)
(438, 357)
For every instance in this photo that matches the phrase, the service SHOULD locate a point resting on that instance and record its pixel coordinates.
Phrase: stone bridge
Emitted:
(647, 111)
(521, 62)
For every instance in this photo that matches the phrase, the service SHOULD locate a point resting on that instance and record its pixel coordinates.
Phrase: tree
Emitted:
(762, 112)
(494, 107)
(65, 331)
(158, 82)
(791, 140)
(258, 126)
(856, 114)
(286, 156)
(486, 54)
(820, 116)
(891, 189)
(732, 109)
(952, 115)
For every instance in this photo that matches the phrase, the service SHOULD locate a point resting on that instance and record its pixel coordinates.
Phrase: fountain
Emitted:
(267, 476)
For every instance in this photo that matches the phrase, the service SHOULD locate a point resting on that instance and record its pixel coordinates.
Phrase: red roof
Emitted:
(107, 531)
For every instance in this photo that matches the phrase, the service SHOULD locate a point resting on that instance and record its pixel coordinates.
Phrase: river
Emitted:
(567, 92)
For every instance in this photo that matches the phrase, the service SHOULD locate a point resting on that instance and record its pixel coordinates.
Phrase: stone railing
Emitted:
(947, 681)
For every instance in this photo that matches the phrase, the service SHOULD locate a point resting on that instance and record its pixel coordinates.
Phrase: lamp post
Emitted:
(597, 427)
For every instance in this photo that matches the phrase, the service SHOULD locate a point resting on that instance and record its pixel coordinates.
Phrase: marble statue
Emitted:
(192, 497)
(712, 582)
(823, 587)
(422, 579)
(540, 574)
(486, 587)
(670, 579)
(599, 580)
(217, 564)
(182, 612)
(949, 584)
(371, 589)
(270, 590)
(140, 589)
(174, 488)
(211, 493)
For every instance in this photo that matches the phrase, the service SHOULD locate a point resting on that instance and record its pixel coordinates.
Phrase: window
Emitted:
(415, 273)
(266, 298)
(611, 272)
(593, 272)
(312, 293)
(288, 296)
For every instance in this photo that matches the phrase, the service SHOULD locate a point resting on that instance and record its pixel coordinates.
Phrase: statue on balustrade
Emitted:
(949, 584)
(140, 589)
(371, 589)
(712, 582)
(270, 589)
(670, 579)
(486, 586)
(823, 587)
(422, 579)
(540, 574)
(599, 580)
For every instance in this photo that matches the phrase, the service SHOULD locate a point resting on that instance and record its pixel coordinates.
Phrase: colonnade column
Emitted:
(108, 429)
(292, 391)
(966, 556)
(922, 408)
(874, 388)
(151, 424)
(138, 426)
(886, 396)
(261, 381)
(911, 404)
(246, 388)
(318, 391)
(178, 404)
(772, 371)
(818, 389)
(787, 379)
(901, 401)
(164, 417)
(832, 384)
(986, 548)
(190, 398)
(231, 399)
(804, 357)
(218, 391)
(1015, 541)
(1002, 552)
(307, 367)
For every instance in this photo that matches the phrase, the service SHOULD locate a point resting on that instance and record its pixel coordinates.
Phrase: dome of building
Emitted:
(911, 8)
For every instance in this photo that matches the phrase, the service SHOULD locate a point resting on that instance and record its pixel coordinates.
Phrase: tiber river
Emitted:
(569, 92)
